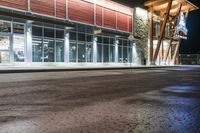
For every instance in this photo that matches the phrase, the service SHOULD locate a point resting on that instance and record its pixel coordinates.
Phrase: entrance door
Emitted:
(5, 49)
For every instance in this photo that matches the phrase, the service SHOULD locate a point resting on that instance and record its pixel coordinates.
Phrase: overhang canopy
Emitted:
(159, 6)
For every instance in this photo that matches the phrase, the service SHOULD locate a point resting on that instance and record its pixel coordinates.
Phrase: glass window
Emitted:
(125, 55)
(4, 43)
(37, 49)
(89, 29)
(4, 57)
(120, 59)
(72, 35)
(81, 28)
(36, 31)
(59, 51)
(99, 52)
(81, 37)
(48, 32)
(89, 38)
(81, 52)
(120, 42)
(60, 34)
(105, 53)
(48, 50)
(130, 54)
(112, 53)
(89, 52)
(125, 43)
(19, 48)
(73, 52)
(5, 27)
(105, 40)
(112, 41)
(18, 28)
(99, 39)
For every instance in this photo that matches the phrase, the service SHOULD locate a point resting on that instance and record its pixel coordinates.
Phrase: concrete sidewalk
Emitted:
(26, 69)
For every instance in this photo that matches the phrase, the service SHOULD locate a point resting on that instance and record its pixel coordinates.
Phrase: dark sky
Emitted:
(192, 44)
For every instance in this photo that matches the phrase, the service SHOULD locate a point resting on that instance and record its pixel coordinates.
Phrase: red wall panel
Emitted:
(43, 7)
(130, 23)
(122, 22)
(81, 11)
(109, 18)
(18, 4)
(61, 8)
(99, 14)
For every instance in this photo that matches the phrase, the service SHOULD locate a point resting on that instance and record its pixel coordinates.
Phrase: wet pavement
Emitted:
(109, 101)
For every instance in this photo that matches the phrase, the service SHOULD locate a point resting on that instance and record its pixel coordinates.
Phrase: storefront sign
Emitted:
(181, 30)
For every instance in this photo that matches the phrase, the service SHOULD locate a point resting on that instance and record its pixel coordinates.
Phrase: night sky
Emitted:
(192, 44)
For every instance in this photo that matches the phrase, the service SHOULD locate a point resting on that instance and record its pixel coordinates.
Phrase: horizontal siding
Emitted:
(122, 22)
(81, 11)
(99, 14)
(130, 23)
(17, 4)
(61, 8)
(109, 18)
(43, 7)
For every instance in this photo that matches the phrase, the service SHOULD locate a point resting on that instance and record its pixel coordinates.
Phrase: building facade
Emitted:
(75, 33)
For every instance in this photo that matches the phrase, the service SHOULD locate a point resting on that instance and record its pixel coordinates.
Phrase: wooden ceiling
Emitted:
(160, 6)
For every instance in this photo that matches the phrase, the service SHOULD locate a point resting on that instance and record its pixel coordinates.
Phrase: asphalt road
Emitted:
(114, 101)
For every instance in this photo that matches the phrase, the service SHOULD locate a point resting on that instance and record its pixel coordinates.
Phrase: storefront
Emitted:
(55, 44)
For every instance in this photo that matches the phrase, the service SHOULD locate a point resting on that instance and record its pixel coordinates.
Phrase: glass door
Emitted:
(4, 49)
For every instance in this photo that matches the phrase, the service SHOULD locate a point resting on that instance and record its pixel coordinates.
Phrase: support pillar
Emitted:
(151, 37)
(28, 41)
(66, 46)
(134, 52)
(95, 49)
(116, 50)
(162, 29)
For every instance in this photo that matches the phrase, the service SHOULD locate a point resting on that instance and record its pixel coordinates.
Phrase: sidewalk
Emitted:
(26, 69)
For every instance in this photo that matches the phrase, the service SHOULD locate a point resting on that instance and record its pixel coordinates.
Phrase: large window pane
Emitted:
(19, 48)
(5, 27)
(18, 28)
(105, 40)
(81, 52)
(105, 53)
(81, 28)
(37, 49)
(73, 52)
(72, 36)
(89, 38)
(112, 53)
(36, 31)
(120, 59)
(81, 37)
(4, 57)
(4, 43)
(48, 32)
(99, 39)
(60, 51)
(99, 52)
(60, 34)
(48, 50)
(89, 52)
(125, 55)
(130, 54)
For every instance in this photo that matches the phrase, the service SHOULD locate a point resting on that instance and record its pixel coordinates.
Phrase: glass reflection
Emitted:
(59, 51)
(48, 50)
(37, 50)
(19, 48)
(73, 52)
